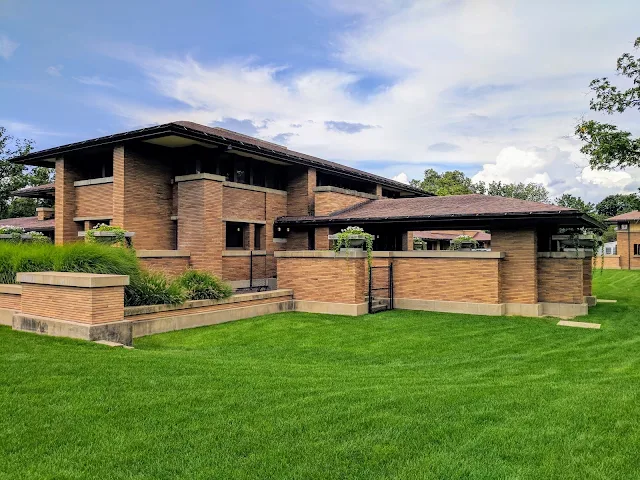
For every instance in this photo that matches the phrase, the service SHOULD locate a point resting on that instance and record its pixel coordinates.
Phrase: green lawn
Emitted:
(394, 395)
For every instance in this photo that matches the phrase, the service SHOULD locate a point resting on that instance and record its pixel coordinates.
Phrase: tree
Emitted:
(533, 192)
(448, 183)
(606, 146)
(14, 176)
(613, 205)
(570, 201)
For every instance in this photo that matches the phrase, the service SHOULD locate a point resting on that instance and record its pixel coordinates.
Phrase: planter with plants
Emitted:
(18, 234)
(463, 242)
(353, 237)
(108, 234)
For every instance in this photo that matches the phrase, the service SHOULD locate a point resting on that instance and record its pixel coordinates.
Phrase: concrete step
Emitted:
(378, 308)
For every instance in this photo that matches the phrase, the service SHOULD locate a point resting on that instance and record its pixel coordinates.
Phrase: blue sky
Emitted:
(391, 86)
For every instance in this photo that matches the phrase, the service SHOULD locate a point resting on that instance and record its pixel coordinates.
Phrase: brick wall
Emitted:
(335, 280)
(94, 200)
(171, 266)
(329, 202)
(447, 279)
(608, 262)
(587, 277)
(518, 270)
(11, 301)
(243, 204)
(200, 226)
(300, 195)
(238, 267)
(66, 228)
(148, 198)
(561, 280)
(90, 305)
(298, 240)
(322, 236)
(627, 259)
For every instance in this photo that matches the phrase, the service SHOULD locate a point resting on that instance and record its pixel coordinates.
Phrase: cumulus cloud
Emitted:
(402, 178)
(7, 47)
(492, 86)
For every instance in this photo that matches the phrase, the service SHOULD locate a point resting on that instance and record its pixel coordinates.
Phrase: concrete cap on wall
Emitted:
(72, 279)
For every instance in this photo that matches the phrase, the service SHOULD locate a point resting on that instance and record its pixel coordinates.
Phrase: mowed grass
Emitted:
(395, 395)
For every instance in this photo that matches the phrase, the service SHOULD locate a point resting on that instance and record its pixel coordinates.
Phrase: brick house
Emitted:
(628, 242)
(231, 204)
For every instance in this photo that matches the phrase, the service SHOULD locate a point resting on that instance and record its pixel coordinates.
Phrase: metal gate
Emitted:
(258, 280)
(380, 288)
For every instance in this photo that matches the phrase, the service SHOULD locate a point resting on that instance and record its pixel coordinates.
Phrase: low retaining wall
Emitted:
(170, 262)
(10, 303)
(442, 281)
(608, 262)
(151, 319)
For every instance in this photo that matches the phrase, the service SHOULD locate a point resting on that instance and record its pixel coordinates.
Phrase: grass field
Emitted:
(394, 395)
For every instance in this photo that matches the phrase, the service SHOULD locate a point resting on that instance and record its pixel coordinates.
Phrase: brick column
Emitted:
(407, 241)
(322, 238)
(379, 191)
(200, 225)
(518, 271)
(118, 186)
(66, 229)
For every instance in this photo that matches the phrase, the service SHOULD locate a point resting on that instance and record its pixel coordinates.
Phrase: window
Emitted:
(607, 251)
(235, 235)
(636, 249)
(257, 234)
(240, 171)
(312, 239)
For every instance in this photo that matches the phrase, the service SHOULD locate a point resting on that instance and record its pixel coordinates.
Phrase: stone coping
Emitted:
(244, 220)
(72, 279)
(45, 209)
(199, 176)
(438, 254)
(11, 289)
(279, 240)
(106, 233)
(320, 254)
(344, 191)
(93, 181)
(162, 253)
(244, 253)
(238, 298)
(91, 219)
(571, 255)
(255, 188)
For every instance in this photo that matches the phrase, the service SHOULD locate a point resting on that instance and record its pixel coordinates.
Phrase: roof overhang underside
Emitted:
(174, 136)
(516, 221)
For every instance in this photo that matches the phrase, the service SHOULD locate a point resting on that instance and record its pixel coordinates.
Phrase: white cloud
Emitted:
(22, 129)
(401, 177)
(7, 47)
(94, 81)
(490, 83)
(54, 70)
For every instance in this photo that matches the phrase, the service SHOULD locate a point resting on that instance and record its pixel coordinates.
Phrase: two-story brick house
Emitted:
(200, 196)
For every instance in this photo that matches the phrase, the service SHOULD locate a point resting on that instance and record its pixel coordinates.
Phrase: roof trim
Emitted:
(39, 157)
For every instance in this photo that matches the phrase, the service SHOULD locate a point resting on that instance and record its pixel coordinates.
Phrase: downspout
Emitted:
(629, 246)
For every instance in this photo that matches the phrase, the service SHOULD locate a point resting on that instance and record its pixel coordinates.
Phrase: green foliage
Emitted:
(570, 201)
(606, 146)
(613, 205)
(457, 183)
(461, 241)
(199, 285)
(345, 236)
(152, 288)
(16, 176)
(118, 237)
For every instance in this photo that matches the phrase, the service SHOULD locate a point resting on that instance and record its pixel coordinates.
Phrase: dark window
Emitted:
(312, 239)
(226, 169)
(257, 174)
(240, 171)
(257, 234)
(636, 249)
(235, 235)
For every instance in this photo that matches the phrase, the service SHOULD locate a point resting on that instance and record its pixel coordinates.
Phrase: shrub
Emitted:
(203, 286)
(95, 258)
(152, 288)
(117, 239)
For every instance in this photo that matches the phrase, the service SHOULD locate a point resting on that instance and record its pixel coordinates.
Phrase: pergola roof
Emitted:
(30, 223)
(47, 190)
(625, 217)
(463, 211)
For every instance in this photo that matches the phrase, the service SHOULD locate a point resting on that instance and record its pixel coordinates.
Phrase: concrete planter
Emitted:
(24, 236)
(106, 234)
(355, 241)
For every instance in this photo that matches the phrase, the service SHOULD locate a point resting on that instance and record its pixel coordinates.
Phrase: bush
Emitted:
(152, 288)
(203, 286)
(95, 258)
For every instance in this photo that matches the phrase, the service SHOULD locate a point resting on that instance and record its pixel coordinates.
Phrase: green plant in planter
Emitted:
(458, 242)
(344, 237)
(15, 232)
(39, 237)
(118, 238)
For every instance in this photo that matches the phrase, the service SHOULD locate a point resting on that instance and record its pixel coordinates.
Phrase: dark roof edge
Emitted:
(440, 218)
(181, 130)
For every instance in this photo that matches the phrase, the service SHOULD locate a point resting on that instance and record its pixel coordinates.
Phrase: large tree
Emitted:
(14, 177)
(571, 201)
(452, 182)
(607, 146)
(617, 204)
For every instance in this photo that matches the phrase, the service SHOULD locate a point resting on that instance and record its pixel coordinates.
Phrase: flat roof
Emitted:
(48, 190)
(216, 136)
